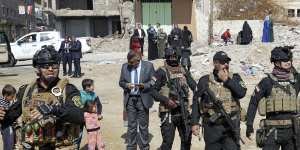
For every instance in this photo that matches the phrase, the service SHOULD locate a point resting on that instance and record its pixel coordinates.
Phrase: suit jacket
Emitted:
(76, 49)
(136, 32)
(146, 73)
(62, 49)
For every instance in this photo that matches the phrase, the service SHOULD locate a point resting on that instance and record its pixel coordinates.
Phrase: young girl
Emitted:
(92, 115)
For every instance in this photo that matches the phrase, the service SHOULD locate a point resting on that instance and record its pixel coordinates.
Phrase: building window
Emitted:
(298, 12)
(291, 12)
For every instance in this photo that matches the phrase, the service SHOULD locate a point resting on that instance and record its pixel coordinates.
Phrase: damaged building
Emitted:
(11, 21)
(166, 13)
(292, 8)
(95, 18)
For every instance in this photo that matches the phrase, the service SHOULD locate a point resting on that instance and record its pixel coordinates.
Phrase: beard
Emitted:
(172, 63)
(48, 80)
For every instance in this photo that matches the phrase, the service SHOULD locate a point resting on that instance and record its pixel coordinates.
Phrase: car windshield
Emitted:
(2, 38)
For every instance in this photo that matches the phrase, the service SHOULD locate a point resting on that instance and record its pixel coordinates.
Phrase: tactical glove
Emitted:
(45, 109)
(249, 131)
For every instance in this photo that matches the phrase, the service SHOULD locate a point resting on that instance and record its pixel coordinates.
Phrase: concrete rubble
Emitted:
(253, 59)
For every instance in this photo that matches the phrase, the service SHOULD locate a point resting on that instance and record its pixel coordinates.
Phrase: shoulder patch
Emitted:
(242, 83)
(76, 101)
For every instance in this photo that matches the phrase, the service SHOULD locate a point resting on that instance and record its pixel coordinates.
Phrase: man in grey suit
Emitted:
(136, 82)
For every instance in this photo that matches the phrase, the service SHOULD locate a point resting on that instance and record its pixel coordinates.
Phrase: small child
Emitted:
(8, 97)
(92, 115)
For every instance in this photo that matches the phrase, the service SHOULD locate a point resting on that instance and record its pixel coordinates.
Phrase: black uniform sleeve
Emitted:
(201, 86)
(70, 111)
(99, 106)
(236, 86)
(191, 82)
(159, 79)
(15, 111)
(263, 89)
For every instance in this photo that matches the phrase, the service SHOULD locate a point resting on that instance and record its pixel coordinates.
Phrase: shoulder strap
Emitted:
(29, 88)
(275, 82)
(27, 93)
(62, 84)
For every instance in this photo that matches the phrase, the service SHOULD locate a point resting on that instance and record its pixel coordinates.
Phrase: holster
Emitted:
(261, 134)
(260, 137)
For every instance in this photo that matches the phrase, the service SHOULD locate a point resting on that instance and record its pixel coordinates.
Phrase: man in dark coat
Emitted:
(152, 46)
(76, 55)
(65, 54)
(246, 35)
(141, 35)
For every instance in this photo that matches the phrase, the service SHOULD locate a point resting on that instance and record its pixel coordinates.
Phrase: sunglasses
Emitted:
(285, 60)
(223, 62)
(47, 66)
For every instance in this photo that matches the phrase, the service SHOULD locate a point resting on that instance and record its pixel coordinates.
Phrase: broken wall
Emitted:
(79, 4)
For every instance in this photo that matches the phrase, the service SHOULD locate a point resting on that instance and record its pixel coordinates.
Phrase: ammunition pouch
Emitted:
(267, 127)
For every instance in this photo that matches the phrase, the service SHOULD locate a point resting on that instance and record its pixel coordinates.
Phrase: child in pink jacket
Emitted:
(92, 115)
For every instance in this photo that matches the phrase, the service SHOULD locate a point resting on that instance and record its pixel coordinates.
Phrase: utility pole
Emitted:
(26, 16)
(211, 22)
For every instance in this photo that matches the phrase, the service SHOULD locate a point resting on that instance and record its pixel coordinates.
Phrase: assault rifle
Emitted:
(181, 96)
(184, 112)
(220, 112)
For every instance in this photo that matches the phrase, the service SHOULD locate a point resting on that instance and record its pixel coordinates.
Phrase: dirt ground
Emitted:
(106, 71)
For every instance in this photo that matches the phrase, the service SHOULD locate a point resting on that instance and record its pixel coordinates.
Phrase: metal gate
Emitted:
(157, 11)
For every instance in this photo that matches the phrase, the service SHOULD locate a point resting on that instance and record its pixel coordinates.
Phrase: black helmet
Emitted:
(47, 55)
(170, 52)
(281, 53)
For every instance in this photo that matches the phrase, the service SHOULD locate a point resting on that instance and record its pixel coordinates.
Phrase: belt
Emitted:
(92, 130)
(278, 122)
(134, 95)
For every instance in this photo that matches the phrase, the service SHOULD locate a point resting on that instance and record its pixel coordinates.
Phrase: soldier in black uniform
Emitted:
(168, 80)
(276, 98)
(227, 88)
(48, 107)
(175, 40)
(187, 39)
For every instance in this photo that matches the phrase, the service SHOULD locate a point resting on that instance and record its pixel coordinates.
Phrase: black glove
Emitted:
(249, 130)
(45, 109)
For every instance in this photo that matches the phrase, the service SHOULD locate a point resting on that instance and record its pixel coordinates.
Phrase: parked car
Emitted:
(25, 47)
(6, 57)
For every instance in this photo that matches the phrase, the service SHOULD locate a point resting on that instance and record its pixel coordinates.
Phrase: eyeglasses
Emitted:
(47, 66)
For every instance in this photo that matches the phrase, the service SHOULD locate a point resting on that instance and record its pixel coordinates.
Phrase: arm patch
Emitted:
(76, 101)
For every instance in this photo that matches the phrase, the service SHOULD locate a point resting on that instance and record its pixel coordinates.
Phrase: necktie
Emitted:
(136, 80)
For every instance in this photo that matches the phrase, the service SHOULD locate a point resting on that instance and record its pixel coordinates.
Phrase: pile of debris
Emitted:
(109, 44)
(249, 60)
(247, 9)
